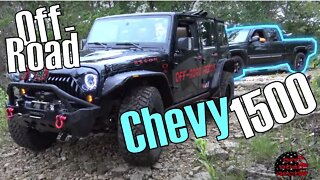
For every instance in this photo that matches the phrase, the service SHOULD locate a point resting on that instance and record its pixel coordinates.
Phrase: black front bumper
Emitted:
(80, 114)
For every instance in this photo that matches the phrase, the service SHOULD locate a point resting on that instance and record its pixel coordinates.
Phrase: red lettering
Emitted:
(178, 77)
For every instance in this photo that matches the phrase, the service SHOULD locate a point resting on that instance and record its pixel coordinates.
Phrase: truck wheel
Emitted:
(299, 62)
(226, 88)
(30, 138)
(238, 65)
(139, 98)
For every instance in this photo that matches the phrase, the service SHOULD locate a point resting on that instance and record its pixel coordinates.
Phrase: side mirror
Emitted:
(255, 39)
(82, 43)
(185, 43)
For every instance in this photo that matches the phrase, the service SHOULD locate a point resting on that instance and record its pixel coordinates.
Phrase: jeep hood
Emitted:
(115, 56)
(118, 59)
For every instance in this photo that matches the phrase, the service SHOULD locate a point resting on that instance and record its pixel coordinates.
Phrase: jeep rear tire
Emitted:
(139, 98)
(30, 138)
(226, 88)
(299, 62)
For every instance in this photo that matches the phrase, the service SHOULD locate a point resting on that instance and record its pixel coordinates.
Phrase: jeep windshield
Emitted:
(129, 32)
(237, 36)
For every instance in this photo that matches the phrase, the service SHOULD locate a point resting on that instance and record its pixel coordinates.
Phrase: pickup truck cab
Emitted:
(265, 45)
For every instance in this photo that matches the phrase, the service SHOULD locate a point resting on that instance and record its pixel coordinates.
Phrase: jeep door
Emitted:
(209, 51)
(258, 51)
(186, 62)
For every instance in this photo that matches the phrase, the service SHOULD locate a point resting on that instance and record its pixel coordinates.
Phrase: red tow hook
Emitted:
(9, 112)
(60, 121)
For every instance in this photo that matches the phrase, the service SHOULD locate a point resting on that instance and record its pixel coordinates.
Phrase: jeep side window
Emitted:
(206, 34)
(188, 29)
(222, 36)
(182, 31)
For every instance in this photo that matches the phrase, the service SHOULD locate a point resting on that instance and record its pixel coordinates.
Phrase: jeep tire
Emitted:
(299, 62)
(30, 138)
(138, 98)
(226, 88)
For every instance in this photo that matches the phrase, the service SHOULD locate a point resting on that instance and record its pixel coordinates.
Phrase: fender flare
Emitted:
(222, 65)
(158, 79)
(300, 48)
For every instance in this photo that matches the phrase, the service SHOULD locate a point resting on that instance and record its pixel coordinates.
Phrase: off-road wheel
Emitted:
(238, 65)
(138, 98)
(299, 62)
(30, 138)
(226, 88)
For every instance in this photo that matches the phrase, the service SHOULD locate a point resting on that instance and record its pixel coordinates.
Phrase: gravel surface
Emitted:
(96, 157)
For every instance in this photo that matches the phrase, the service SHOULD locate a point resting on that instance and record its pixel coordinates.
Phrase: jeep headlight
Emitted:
(90, 82)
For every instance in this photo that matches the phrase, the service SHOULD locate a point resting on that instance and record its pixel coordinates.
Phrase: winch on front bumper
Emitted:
(50, 109)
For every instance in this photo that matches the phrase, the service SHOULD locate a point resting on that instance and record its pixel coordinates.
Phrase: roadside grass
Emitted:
(3, 122)
(315, 61)
(302, 135)
(315, 86)
(262, 149)
(204, 159)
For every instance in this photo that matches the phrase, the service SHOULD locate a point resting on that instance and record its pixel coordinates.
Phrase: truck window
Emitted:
(238, 35)
(259, 32)
(206, 34)
(222, 36)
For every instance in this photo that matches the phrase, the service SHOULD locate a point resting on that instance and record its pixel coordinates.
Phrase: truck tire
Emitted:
(30, 138)
(239, 65)
(138, 98)
(299, 62)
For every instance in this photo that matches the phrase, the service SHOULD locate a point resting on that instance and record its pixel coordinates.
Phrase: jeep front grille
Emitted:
(65, 83)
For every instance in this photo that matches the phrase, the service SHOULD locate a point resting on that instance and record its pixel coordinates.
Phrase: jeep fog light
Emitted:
(89, 98)
(23, 91)
(90, 82)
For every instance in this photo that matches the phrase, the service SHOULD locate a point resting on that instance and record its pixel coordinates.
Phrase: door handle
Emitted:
(214, 54)
(198, 58)
(176, 57)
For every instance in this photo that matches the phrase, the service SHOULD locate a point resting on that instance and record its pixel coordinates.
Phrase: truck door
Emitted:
(186, 63)
(276, 47)
(258, 51)
(209, 51)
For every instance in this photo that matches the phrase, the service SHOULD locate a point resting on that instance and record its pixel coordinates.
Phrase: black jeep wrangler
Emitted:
(159, 60)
